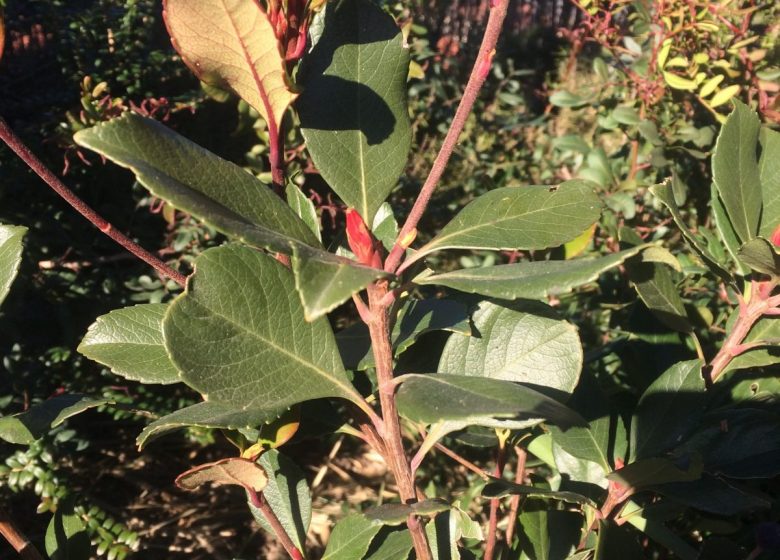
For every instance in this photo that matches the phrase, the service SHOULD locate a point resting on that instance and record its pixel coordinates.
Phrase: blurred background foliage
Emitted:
(622, 93)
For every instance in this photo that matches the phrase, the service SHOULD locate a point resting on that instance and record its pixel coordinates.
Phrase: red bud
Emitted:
(361, 241)
(775, 238)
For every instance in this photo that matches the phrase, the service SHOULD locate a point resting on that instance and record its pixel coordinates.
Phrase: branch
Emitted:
(514, 503)
(478, 75)
(17, 145)
(261, 504)
(17, 539)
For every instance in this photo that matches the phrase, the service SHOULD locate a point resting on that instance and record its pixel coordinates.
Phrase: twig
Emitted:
(17, 145)
(478, 75)
(490, 547)
(514, 503)
(261, 504)
(462, 460)
(17, 539)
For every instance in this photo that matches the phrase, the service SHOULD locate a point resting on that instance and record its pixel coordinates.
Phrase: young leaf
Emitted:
(198, 182)
(536, 347)
(351, 538)
(353, 109)
(769, 173)
(529, 280)
(10, 256)
(668, 410)
(25, 427)
(324, 285)
(208, 414)
(434, 397)
(760, 255)
(233, 470)
(735, 170)
(527, 217)
(232, 45)
(238, 337)
(288, 495)
(130, 342)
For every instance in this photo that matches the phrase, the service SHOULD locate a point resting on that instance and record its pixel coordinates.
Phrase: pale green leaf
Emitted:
(231, 44)
(351, 538)
(130, 342)
(735, 170)
(529, 280)
(353, 108)
(10, 256)
(198, 182)
(527, 217)
(238, 335)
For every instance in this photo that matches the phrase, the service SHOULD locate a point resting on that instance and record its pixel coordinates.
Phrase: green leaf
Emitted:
(656, 287)
(385, 228)
(130, 342)
(669, 410)
(657, 531)
(351, 538)
(232, 45)
(353, 109)
(416, 317)
(209, 415)
(323, 285)
(536, 347)
(665, 193)
(304, 208)
(198, 182)
(396, 513)
(735, 170)
(766, 329)
(658, 470)
(237, 337)
(563, 98)
(626, 115)
(498, 488)
(760, 255)
(527, 217)
(529, 280)
(288, 495)
(66, 536)
(726, 231)
(395, 546)
(432, 397)
(10, 256)
(714, 495)
(769, 173)
(25, 427)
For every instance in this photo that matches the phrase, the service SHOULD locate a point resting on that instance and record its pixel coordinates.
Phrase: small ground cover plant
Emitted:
(474, 355)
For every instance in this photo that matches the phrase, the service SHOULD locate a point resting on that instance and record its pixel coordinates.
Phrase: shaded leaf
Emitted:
(10, 255)
(237, 337)
(130, 342)
(25, 427)
(233, 470)
(527, 217)
(498, 488)
(735, 170)
(769, 174)
(651, 472)
(657, 531)
(198, 182)
(232, 45)
(66, 536)
(353, 109)
(396, 513)
(395, 546)
(714, 495)
(529, 280)
(760, 255)
(766, 329)
(351, 538)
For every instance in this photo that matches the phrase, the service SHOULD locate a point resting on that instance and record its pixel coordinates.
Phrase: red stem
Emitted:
(15, 143)
(490, 548)
(261, 504)
(18, 541)
(478, 75)
(514, 504)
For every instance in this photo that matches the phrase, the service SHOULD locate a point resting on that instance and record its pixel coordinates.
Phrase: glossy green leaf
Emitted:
(760, 255)
(196, 181)
(435, 397)
(25, 427)
(238, 336)
(209, 415)
(416, 317)
(351, 538)
(130, 342)
(498, 488)
(323, 285)
(735, 170)
(353, 108)
(668, 410)
(529, 279)
(665, 193)
(769, 174)
(524, 217)
(304, 208)
(288, 495)
(765, 330)
(526, 342)
(66, 536)
(396, 545)
(10, 256)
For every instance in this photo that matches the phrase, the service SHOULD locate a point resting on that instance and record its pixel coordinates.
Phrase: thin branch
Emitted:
(17, 145)
(261, 504)
(479, 73)
(462, 460)
(20, 543)
(514, 504)
(490, 547)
